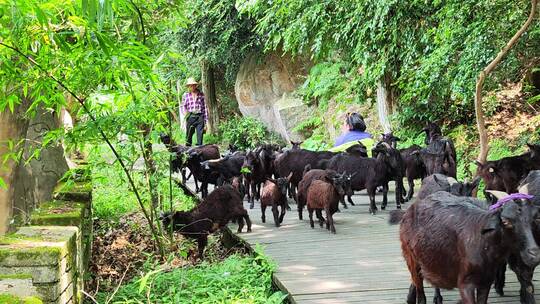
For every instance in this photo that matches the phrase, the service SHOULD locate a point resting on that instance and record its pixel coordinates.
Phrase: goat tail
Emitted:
(395, 217)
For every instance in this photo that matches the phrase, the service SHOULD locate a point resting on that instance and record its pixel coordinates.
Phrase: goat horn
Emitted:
(451, 180)
(524, 189)
(497, 194)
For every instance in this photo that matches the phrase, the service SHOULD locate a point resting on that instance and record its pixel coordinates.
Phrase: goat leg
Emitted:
(342, 200)
(300, 208)
(372, 206)
(240, 221)
(276, 215)
(437, 297)
(410, 193)
(330, 220)
(253, 193)
(184, 178)
(524, 275)
(482, 294)
(310, 212)
(248, 221)
(500, 277)
(263, 211)
(320, 217)
(293, 189)
(411, 296)
(349, 198)
(466, 292)
(258, 191)
(282, 214)
(202, 240)
(399, 192)
(196, 185)
(385, 196)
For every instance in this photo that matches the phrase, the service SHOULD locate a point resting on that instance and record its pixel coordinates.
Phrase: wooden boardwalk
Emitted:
(362, 263)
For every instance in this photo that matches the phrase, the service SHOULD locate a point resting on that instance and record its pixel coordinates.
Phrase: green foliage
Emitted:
(112, 197)
(217, 33)
(428, 53)
(246, 132)
(237, 279)
(326, 81)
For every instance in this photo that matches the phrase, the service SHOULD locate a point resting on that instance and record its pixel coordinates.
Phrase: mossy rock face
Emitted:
(10, 299)
(58, 213)
(78, 191)
(37, 246)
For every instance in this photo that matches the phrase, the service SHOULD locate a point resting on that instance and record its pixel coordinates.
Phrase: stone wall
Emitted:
(48, 260)
(264, 90)
(28, 184)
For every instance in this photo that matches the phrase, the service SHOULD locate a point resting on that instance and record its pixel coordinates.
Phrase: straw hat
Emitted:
(191, 81)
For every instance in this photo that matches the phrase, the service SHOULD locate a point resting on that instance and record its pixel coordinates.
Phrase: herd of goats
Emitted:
(448, 237)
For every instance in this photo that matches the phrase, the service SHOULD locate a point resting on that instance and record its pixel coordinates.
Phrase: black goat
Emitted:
(213, 213)
(227, 167)
(506, 173)
(374, 172)
(197, 155)
(413, 165)
(524, 272)
(439, 182)
(258, 166)
(432, 229)
(179, 159)
(295, 161)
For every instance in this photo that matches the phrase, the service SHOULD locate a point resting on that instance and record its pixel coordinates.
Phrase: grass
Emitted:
(236, 279)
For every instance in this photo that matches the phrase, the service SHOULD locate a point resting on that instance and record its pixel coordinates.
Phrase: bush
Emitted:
(246, 132)
(237, 279)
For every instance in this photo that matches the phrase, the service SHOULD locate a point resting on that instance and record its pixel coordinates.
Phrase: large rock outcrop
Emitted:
(264, 90)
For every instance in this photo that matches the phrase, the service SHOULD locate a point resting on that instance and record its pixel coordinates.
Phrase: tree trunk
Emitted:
(484, 143)
(384, 104)
(209, 90)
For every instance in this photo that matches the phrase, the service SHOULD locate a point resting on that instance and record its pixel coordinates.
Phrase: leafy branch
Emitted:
(103, 136)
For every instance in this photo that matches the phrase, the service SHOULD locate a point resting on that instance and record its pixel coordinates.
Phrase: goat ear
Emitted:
(524, 189)
(479, 164)
(493, 223)
(497, 194)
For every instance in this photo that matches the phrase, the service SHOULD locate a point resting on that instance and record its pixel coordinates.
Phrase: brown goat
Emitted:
(213, 213)
(274, 194)
(326, 195)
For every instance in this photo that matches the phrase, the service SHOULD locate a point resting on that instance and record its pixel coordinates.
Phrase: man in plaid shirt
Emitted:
(194, 108)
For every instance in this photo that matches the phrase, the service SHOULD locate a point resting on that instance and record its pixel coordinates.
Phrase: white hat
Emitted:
(191, 81)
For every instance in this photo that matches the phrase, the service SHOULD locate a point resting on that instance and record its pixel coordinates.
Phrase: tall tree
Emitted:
(484, 141)
(219, 39)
